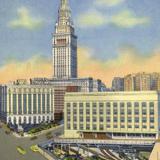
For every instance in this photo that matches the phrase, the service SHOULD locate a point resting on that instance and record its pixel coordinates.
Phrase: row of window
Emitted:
(109, 104)
(36, 105)
(30, 90)
(108, 119)
(108, 112)
(101, 127)
(29, 120)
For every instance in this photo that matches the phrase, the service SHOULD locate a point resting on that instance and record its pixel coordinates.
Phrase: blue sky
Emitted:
(105, 26)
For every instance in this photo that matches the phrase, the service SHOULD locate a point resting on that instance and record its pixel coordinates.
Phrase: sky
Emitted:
(116, 37)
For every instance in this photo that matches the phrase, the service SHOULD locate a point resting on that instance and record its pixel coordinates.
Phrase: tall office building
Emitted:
(64, 45)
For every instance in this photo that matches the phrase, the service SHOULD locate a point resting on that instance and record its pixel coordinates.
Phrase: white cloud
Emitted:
(91, 19)
(128, 19)
(25, 20)
(123, 19)
(108, 3)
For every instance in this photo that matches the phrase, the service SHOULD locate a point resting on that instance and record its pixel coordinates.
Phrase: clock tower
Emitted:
(64, 44)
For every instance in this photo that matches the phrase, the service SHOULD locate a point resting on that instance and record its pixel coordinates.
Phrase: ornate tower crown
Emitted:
(64, 14)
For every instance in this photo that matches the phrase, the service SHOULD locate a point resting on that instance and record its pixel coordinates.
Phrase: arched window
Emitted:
(39, 119)
(35, 120)
(15, 120)
(25, 120)
(20, 120)
(30, 120)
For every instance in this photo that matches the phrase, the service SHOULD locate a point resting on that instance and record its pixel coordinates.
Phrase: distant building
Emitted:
(155, 78)
(118, 84)
(142, 82)
(84, 84)
(118, 115)
(129, 82)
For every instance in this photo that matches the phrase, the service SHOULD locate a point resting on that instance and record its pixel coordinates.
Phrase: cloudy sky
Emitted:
(116, 36)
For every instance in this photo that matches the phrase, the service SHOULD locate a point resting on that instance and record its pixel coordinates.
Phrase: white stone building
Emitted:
(26, 104)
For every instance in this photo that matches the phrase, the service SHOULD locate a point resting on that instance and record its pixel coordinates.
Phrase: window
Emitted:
(101, 119)
(68, 126)
(136, 104)
(19, 104)
(101, 111)
(68, 105)
(144, 126)
(14, 104)
(129, 119)
(129, 126)
(101, 127)
(88, 105)
(108, 126)
(87, 119)
(136, 126)
(115, 126)
(39, 103)
(75, 119)
(29, 104)
(94, 127)
(122, 119)
(94, 119)
(108, 119)
(144, 104)
(136, 112)
(115, 105)
(129, 104)
(88, 111)
(101, 105)
(137, 120)
(75, 126)
(144, 112)
(75, 105)
(81, 119)
(108, 105)
(94, 111)
(144, 119)
(48, 103)
(34, 104)
(81, 105)
(43, 103)
(122, 126)
(115, 119)
(87, 127)
(151, 104)
(129, 111)
(122, 105)
(94, 105)
(151, 120)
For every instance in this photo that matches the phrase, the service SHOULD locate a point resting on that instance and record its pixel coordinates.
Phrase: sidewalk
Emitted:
(36, 134)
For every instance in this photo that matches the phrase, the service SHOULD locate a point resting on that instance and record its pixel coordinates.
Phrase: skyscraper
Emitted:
(64, 45)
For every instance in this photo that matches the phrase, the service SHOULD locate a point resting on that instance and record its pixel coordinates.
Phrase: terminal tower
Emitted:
(64, 44)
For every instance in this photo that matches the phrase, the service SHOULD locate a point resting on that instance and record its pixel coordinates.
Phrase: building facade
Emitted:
(26, 104)
(64, 45)
(118, 84)
(84, 84)
(112, 114)
(142, 82)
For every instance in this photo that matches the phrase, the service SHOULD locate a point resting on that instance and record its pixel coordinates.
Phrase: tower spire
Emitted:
(64, 15)
(64, 5)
